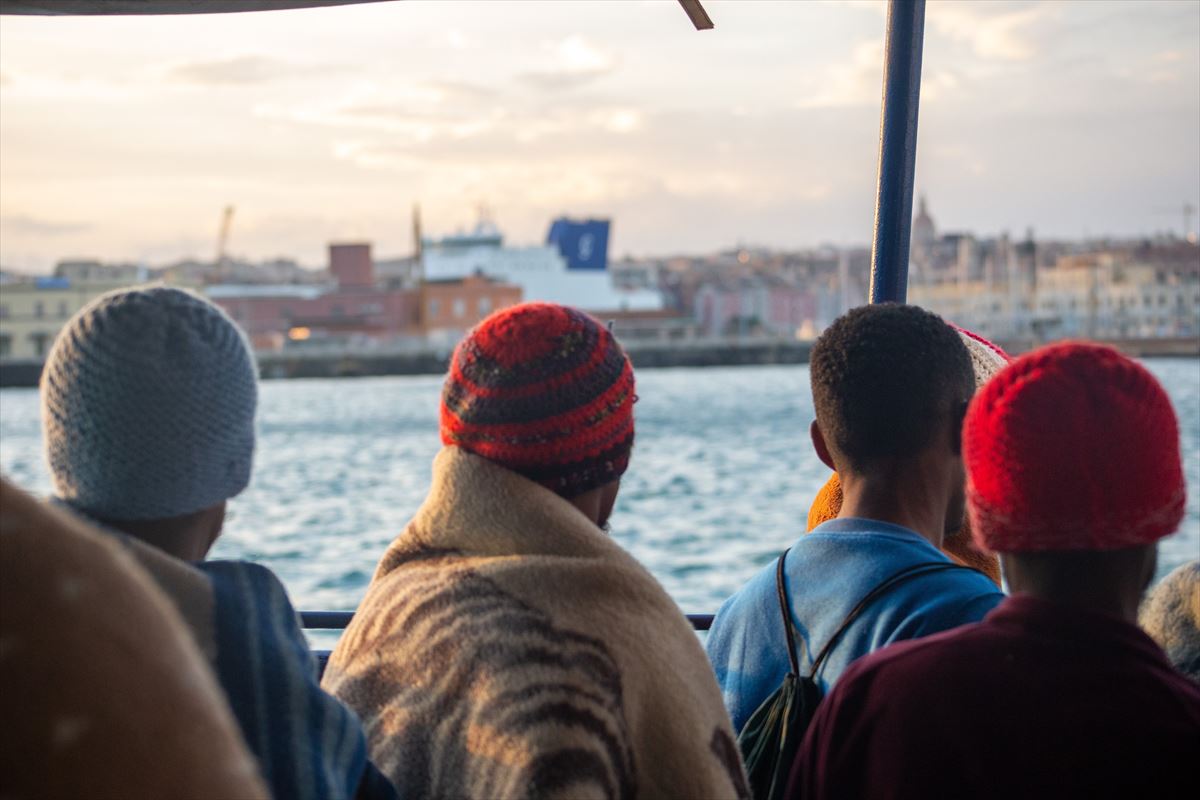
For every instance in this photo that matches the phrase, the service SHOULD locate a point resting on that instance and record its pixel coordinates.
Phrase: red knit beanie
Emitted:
(545, 391)
(1072, 447)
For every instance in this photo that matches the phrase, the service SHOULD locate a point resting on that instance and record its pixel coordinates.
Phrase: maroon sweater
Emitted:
(1037, 700)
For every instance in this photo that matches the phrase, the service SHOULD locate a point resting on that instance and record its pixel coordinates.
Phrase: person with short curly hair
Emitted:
(890, 386)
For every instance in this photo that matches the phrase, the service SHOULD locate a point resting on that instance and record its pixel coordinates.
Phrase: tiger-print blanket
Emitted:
(507, 648)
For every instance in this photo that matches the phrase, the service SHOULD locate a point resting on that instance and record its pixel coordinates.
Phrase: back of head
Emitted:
(886, 379)
(1073, 447)
(546, 391)
(148, 401)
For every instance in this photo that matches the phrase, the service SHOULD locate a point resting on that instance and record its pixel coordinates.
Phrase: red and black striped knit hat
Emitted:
(545, 391)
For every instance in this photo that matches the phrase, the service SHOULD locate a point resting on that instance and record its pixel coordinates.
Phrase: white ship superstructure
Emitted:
(542, 271)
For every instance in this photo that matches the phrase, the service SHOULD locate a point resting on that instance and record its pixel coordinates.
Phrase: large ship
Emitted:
(570, 268)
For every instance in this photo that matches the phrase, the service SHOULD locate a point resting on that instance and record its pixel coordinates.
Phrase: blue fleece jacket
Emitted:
(826, 573)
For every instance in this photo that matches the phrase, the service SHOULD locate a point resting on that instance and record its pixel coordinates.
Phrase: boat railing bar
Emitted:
(897, 150)
(338, 620)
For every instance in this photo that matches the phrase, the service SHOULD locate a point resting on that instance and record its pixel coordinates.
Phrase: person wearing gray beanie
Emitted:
(148, 401)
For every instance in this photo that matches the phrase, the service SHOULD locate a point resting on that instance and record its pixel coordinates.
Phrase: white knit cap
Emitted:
(148, 400)
(986, 358)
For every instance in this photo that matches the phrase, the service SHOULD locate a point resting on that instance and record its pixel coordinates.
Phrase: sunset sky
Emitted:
(123, 138)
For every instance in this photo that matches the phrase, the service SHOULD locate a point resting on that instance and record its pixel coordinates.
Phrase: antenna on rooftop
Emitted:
(223, 241)
(418, 245)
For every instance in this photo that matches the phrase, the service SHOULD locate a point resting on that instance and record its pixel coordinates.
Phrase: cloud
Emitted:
(855, 82)
(994, 31)
(574, 62)
(20, 224)
(240, 70)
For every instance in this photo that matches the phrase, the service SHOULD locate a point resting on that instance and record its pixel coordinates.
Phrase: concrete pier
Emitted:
(341, 363)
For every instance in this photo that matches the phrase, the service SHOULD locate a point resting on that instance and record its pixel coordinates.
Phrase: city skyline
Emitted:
(124, 138)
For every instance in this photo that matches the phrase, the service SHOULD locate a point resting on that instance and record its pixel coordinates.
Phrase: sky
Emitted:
(123, 138)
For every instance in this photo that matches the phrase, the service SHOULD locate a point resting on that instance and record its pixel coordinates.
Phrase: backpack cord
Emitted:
(787, 617)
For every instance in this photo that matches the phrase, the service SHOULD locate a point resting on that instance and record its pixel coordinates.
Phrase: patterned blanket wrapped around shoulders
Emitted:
(508, 648)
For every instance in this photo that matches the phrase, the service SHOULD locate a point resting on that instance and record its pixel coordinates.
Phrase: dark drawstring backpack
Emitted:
(770, 738)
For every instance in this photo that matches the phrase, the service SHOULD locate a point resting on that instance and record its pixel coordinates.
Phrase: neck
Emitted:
(1102, 582)
(188, 537)
(1096, 602)
(184, 545)
(902, 495)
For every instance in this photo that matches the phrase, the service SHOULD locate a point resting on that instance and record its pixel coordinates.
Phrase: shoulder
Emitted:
(252, 603)
(945, 598)
(753, 595)
(246, 573)
(919, 666)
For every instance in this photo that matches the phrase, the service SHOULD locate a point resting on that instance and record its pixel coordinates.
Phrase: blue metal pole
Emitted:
(897, 150)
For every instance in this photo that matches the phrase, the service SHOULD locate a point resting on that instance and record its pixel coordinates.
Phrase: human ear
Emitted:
(820, 446)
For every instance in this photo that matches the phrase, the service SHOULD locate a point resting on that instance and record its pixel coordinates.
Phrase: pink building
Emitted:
(754, 306)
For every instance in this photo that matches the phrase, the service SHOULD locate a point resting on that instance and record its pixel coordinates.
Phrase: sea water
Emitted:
(720, 481)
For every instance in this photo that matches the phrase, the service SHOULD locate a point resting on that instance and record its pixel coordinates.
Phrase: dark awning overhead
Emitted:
(692, 8)
(101, 7)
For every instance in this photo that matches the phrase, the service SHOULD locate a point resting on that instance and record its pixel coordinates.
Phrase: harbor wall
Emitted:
(645, 355)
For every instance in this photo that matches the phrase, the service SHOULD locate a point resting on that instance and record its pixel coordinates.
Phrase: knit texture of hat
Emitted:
(1072, 447)
(545, 391)
(148, 400)
(986, 358)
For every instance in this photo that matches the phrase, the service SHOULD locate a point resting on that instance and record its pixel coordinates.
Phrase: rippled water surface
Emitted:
(721, 478)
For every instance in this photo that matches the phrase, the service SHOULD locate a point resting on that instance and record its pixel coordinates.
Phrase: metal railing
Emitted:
(338, 620)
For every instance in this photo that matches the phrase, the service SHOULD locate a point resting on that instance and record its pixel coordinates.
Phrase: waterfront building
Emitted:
(756, 306)
(449, 307)
(34, 309)
(1107, 291)
(359, 309)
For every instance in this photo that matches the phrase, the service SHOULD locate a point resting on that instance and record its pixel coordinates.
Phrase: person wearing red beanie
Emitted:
(506, 646)
(1074, 474)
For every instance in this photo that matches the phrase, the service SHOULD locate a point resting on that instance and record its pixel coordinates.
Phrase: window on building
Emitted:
(371, 308)
(5, 344)
(39, 310)
(336, 311)
(62, 309)
(434, 308)
(460, 308)
(484, 306)
(39, 343)
(3, 311)
(286, 313)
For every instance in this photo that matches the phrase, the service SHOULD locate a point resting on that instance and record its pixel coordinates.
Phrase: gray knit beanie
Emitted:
(148, 401)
